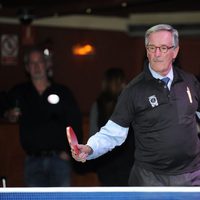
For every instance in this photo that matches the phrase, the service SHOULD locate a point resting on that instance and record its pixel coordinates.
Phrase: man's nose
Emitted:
(158, 52)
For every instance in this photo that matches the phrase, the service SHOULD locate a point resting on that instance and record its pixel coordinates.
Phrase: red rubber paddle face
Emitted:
(72, 139)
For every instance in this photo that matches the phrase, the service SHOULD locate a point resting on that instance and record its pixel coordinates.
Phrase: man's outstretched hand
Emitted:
(84, 151)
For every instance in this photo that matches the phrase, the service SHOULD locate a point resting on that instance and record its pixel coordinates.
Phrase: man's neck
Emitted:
(41, 84)
(159, 76)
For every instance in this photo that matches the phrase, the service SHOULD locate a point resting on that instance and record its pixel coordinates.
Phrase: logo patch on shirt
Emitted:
(153, 101)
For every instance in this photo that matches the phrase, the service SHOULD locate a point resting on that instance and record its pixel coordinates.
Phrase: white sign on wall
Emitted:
(9, 49)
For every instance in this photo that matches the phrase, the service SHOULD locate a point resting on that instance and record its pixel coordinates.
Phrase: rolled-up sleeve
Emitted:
(109, 136)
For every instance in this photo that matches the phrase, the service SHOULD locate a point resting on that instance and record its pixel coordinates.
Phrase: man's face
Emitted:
(36, 66)
(159, 61)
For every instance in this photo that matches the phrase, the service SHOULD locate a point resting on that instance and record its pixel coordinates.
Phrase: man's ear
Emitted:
(176, 50)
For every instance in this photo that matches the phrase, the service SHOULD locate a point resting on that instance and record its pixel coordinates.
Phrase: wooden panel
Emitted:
(11, 155)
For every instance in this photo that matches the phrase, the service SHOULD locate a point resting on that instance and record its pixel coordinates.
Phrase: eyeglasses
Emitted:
(163, 48)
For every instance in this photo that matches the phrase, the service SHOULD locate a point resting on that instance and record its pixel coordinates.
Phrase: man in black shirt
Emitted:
(160, 104)
(44, 109)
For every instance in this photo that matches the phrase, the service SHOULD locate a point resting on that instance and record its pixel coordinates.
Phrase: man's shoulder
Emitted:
(134, 86)
(62, 89)
(60, 86)
(136, 81)
(184, 74)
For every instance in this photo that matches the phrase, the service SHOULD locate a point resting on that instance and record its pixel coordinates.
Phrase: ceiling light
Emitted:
(83, 50)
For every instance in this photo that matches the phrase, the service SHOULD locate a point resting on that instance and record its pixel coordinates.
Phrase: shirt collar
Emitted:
(158, 76)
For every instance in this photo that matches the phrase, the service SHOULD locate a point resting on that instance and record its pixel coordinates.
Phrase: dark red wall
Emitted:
(83, 74)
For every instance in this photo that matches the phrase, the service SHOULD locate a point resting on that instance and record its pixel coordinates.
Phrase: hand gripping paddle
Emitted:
(72, 139)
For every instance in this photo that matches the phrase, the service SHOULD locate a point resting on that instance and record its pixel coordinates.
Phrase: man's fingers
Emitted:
(81, 157)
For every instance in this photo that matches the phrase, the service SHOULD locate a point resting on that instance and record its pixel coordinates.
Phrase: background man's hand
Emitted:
(12, 115)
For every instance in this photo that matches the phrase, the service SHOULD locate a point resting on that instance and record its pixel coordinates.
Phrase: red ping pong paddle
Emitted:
(72, 139)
